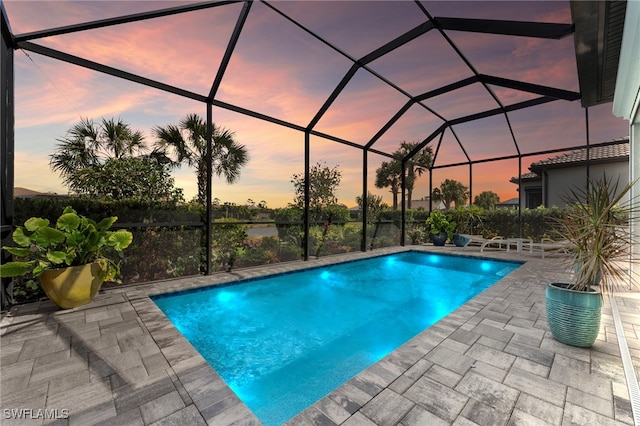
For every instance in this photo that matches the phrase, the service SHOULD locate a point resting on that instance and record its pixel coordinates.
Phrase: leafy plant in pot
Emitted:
(596, 227)
(72, 259)
(440, 227)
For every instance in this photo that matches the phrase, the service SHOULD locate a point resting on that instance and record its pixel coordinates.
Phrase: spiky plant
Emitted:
(596, 224)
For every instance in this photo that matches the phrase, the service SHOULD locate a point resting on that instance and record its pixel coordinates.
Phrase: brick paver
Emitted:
(493, 361)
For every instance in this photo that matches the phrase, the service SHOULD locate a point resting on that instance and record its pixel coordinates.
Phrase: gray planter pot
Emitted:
(439, 239)
(460, 240)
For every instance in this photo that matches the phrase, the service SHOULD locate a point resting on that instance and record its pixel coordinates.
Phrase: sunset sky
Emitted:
(280, 70)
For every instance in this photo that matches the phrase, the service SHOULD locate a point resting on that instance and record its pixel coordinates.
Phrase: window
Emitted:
(533, 197)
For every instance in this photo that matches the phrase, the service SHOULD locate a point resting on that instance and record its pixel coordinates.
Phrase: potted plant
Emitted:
(596, 228)
(466, 218)
(71, 259)
(440, 227)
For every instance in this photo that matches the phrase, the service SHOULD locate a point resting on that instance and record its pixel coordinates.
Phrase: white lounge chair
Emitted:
(550, 246)
(508, 243)
(476, 240)
(495, 241)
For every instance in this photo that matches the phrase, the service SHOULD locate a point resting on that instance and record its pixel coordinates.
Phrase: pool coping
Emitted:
(451, 358)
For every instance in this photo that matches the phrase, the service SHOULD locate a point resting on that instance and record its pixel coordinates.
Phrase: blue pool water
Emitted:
(283, 342)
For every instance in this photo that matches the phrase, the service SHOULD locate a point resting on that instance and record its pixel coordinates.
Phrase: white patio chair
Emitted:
(548, 245)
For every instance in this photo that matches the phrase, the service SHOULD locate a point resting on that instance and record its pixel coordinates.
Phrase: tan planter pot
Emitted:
(73, 286)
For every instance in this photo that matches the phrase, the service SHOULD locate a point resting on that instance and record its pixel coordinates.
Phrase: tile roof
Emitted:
(618, 149)
(526, 176)
(610, 151)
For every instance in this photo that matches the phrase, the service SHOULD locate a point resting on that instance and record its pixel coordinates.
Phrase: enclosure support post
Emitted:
(6, 150)
(470, 183)
(586, 120)
(307, 185)
(208, 197)
(430, 189)
(520, 195)
(365, 202)
(403, 208)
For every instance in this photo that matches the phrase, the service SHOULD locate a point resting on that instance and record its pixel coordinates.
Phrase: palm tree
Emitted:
(417, 165)
(186, 142)
(486, 200)
(87, 145)
(388, 175)
(450, 191)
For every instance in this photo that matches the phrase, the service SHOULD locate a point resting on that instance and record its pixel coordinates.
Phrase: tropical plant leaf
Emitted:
(18, 251)
(47, 236)
(40, 267)
(13, 269)
(75, 238)
(68, 222)
(34, 223)
(106, 223)
(120, 239)
(57, 257)
(20, 238)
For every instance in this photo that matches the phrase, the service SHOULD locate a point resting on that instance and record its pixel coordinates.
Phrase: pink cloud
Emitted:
(68, 93)
(150, 49)
(279, 70)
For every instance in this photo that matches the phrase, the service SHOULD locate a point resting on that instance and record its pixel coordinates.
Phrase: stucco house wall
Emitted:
(556, 177)
(560, 182)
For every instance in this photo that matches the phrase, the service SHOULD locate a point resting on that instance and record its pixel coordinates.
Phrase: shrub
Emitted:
(352, 235)
(227, 243)
(163, 252)
(289, 225)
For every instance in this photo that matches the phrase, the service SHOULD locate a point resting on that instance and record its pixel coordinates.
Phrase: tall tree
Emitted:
(88, 145)
(486, 200)
(389, 174)
(323, 184)
(186, 143)
(374, 203)
(450, 191)
(139, 178)
(417, 165)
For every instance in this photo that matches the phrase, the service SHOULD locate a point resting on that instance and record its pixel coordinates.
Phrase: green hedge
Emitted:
(536, 223)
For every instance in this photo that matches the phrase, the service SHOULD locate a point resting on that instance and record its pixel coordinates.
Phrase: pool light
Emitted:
(225, 296)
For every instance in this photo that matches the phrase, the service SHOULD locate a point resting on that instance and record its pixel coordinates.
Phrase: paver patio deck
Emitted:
(493, 361)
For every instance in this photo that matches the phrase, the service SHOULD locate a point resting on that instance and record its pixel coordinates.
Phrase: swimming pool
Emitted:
(283, 342)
